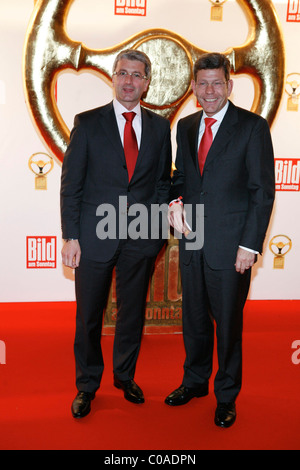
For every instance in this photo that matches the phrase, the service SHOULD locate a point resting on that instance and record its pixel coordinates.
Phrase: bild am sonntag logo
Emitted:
(131, 7)
(41, 252)
(293, 11)
(287, 174)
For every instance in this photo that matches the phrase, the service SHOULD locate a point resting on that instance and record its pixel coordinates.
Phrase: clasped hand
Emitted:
(177, 219)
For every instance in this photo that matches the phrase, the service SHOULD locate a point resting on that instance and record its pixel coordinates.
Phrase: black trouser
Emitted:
(213, 295)
(93, 281)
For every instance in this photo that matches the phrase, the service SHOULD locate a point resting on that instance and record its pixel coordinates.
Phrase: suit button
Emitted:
(203, 193)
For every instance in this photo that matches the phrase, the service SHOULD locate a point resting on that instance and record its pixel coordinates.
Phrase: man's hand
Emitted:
(176, 217)
(244, 260)
(71, 254)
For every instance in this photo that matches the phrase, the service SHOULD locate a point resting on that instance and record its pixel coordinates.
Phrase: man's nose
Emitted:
(128, 78)
(210, 88)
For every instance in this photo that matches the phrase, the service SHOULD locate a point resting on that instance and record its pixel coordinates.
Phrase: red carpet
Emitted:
(37, 388)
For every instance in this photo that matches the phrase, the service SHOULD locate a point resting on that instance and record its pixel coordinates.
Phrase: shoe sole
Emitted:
(132, 400)
(82, 415)
(224, 425)
(184, 402)
(136, 402)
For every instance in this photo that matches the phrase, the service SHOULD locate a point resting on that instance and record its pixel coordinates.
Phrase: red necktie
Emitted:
(205, 143)
(130, 144)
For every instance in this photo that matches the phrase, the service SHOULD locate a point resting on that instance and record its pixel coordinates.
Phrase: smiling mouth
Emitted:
(128, 90)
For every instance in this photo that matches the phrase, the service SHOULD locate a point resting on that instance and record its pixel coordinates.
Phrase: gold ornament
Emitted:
(48, 51)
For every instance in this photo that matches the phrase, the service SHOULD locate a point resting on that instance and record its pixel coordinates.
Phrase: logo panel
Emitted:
(293, 11)
(287, 174)
(131, 7)
(41, 252)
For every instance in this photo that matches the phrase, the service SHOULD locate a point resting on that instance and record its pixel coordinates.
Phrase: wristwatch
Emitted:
(70, 239)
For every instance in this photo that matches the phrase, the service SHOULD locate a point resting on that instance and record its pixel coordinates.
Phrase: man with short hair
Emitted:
(116, 151)
(224, 162)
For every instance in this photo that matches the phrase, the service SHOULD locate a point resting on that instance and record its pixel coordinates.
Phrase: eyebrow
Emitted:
(125, 70)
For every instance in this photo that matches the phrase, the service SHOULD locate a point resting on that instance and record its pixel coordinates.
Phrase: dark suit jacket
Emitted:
(94, 172)
(237, 186)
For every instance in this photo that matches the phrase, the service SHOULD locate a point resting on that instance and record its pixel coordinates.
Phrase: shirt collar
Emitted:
(120, 109)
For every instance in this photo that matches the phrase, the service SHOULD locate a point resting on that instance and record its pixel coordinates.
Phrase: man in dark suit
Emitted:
(234, 182)
(119, 158)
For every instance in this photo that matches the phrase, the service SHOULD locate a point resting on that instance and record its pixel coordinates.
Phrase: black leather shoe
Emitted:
(81, 406)
(225, 415)
(132, 391)
(183, 395)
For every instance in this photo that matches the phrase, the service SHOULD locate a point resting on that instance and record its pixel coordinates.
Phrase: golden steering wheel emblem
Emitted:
(48, 51)
(292, 88)
(283, 245)
(41, 164)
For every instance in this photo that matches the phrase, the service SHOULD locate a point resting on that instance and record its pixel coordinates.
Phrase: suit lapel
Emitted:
(109, 124)
(224, 134)
(193, 134)
(147, 135)
(221, 139)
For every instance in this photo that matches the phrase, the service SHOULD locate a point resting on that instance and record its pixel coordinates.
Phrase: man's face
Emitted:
(129, 89)
(212, 90)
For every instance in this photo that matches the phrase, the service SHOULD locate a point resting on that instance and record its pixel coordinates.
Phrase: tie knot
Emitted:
(209, 122)
(129, 116)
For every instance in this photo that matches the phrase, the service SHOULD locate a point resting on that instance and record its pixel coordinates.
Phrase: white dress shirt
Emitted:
(215, 127)
(136, 123)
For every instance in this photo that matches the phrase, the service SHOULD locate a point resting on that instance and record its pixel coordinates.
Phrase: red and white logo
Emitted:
(131, 7)
(293, 11)
(41, 252)
(287, 174)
